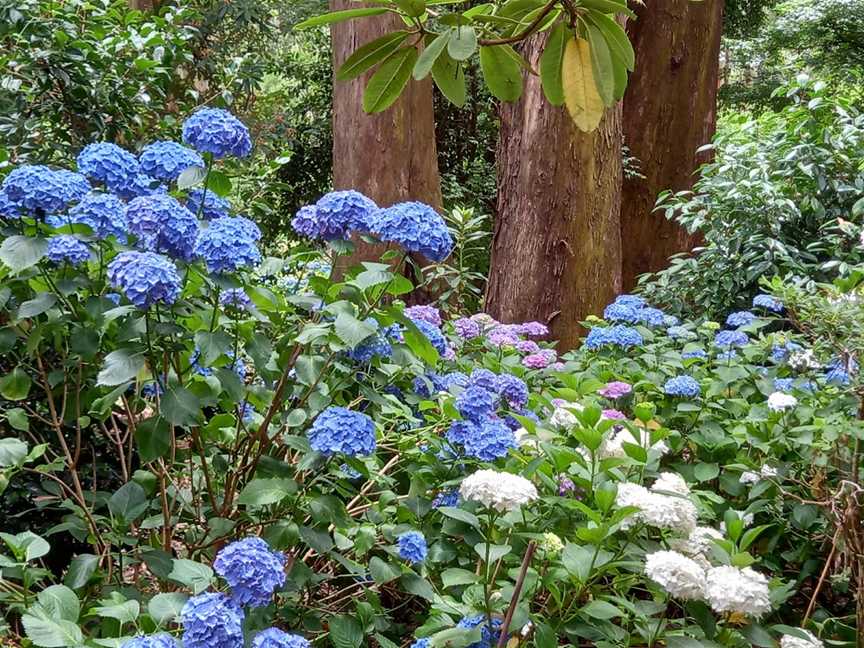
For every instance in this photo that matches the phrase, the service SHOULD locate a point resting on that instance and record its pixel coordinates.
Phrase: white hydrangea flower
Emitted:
(801, 360)
(780, 402)
(669, 482)
(662, 511)
(563, 415)
(750, 477)
(679, 575)
(768, 472)
(551, 544)
(499, 490)
(524, 439)
(730, 589)
(788, 641)
(698, 543)
(613, 446)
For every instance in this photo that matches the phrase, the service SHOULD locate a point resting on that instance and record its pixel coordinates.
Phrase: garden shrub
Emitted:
(246, 450)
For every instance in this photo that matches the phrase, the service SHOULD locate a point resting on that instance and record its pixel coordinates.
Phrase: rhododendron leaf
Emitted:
(389, 80)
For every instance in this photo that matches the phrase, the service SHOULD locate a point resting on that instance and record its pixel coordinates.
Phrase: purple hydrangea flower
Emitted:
(338, 429)
(166, 160)
(485, 379)
(252, 570)
(614, 414)
(416, 227)
(466, 328)
(212, 620)
(144, 278)
(67, 249)
(218, 132)
(534, 329)
(615, 389)
(565, 485)
(235, 298)
(527, 346)
(501, 337)
(426, 313)
(512, 389)
(412, 547)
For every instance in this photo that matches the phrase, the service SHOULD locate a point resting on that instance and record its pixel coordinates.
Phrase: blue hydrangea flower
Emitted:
(161, 640)
(784, 384)
(459, 431)
(513, 423)
(212, 620)
(492, 440)
(216, 131)
(166, 160)
(416, 227)
(433, 334)
(226, 245)
(206, 203)
(103, 213)
(276, 638)
(424, 642)
(341, 430)
(651, 316)
(491, 633)
(375, 346)
(252, 570)
(779, 352)
(475, 404)
(421, 385)
(424, 312)
(740, 318)
(36, 188)
(139, 185)
(729, 339)
(8, 208)
(350, 208)
(412, 547)
(618, 335)
(680, 333)
(446, 498)
(682, 386)
(484, 378)
(235, 298)
(694, 353)
(109, 164)
(839, 372)
(67, 249)
(145, 278)
(161, 224)
(630, 300)
(615, 312)
(768, 302)
(452, 379)
(512, 389)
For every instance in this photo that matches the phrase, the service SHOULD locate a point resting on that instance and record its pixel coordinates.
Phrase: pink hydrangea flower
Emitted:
(615, 389)
(527, 346)
(614, 415)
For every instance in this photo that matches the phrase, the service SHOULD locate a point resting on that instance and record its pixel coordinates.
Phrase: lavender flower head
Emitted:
(235, 298)
(276, 638)
(161, 640)
(427, 313)
(534, 329)
(541, 359)
(67, 249)
(467, 328)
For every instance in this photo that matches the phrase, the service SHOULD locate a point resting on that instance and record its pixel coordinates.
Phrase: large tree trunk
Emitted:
(556, 250)
(391, 156)
(670, 110)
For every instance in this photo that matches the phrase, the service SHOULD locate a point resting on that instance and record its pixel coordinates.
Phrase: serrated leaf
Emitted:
(120, 366)
(45, 632)
(601, 610)
(368, 55)
(550, 64)
(580, 91)
(382, 572)
(351, 330)
(502, 72)
(81, 570)
(345, 632)
(22, 252)
(128, 502)
(389, 80)
(36, 306)
(219, 183)
(164, 608)
(180, 406)
(193, 575)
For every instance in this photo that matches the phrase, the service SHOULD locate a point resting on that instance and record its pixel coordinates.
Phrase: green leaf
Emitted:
(218, 183)
(368, 55)
(13, 452)
(429, 55)
(706, 471)
(413, 8)
(450, 79)
(120, 366)
(15, 386)
(81, 570)
(462, 43)
(164, 608)
(60, 602)
(193, 575)
(461, 515)
(495, 551)
(45, 632)
(119, 609)
(190, 177)
(128, 502)
(181, 407)
(153, 437)
(383, 572)
(36, 306)
(345, 631)
(858, 208)
(339, 16)
(26, 545)
(616, 38)
(213, 345)
(22, 252)
(261, 492)
(601, 65)
(608, 7)
(389, 80)
(502, 71)
(320, 541)
(577, 560)
(550, 64)
(351, 330)
(453, 576)
(418, 586)
(601, 610)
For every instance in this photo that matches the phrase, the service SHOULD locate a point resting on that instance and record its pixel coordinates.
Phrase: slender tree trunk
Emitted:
(556, 249)
(670, 110)
(391, 156)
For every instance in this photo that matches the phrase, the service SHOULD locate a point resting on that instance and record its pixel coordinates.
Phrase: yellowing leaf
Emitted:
(580, 90)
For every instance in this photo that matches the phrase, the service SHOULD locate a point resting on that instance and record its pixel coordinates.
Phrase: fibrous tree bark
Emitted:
(670, 110)
(389, 156)
(556, 249)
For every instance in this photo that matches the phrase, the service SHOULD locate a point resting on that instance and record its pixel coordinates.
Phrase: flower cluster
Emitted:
(340, 430)
(679, 575)
(416, 227)
(768, 302)
(674, 512)
(161, 224)
(741, 318)
(109, 164)
(101, 212)
(612, 336)
(166, 160)
(161, 640)
(212, 620)
(144, 278)
(412, 547)
(36, 188)
(252, 570)
(499, 490)
(276, 638)
(682, 386)
(228, 244)
(218, 132)
(206, 204)
(67, 249)
(335, 216)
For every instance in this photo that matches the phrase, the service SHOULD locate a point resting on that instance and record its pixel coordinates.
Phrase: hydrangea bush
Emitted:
(231, 449)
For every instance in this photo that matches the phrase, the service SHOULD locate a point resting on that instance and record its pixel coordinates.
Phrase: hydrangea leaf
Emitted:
(22, 252)
(120, 366)
(164, 608)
